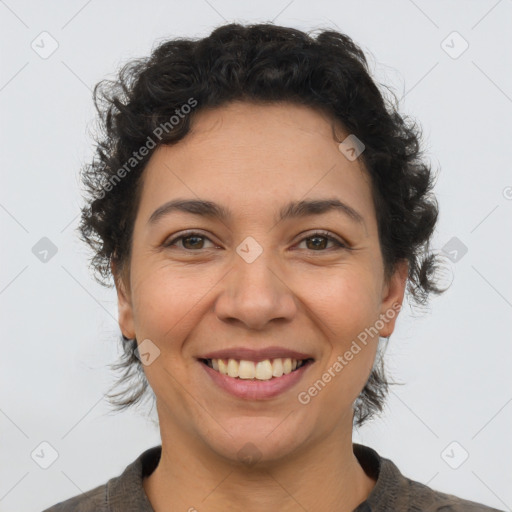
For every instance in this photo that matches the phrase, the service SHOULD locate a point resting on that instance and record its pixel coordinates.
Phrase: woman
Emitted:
(262, 210)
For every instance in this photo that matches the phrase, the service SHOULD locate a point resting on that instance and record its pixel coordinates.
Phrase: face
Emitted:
(305, 285)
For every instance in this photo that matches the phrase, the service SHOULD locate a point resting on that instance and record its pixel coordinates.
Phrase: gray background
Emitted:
(59, 327)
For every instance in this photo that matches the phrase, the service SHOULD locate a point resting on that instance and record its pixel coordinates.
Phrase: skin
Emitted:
(199, 295)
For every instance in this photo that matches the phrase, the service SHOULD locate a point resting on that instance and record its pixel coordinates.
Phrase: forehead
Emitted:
(255, 156)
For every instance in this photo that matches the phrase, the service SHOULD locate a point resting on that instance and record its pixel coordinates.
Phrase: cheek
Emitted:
(347, 311)
(167, 308)
(345, 302)
(167, 303)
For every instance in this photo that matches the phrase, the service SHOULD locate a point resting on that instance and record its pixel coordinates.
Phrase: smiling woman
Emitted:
(287, 191)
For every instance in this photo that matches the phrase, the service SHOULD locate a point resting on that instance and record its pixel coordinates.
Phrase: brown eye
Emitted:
(190, 241)
(318, 242)
(193, 242)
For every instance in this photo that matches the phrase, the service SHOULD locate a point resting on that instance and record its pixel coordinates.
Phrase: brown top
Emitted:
(392, 492)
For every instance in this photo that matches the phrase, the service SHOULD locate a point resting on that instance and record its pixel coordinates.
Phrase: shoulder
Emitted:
(121, 493)
(94, 500)
(427, 499)
(394, 491)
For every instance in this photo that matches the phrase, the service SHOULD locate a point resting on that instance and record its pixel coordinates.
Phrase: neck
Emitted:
(322, 476)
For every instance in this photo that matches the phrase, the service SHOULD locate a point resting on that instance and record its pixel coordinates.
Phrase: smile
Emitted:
(251, 380)
(261, 370)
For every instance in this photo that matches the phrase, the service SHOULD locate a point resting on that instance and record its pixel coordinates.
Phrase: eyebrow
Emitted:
(293, 210)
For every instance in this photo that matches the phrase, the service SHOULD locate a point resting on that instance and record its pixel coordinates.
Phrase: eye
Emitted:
(190, 241)
(193, 240)
(319, 244)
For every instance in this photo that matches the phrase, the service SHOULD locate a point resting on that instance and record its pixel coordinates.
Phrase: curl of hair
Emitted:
(259, 63)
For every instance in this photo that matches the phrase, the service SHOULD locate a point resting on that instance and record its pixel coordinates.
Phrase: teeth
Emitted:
(277, 369)
(223, 367)
(263, 370)
(233, 368)
(246, 370)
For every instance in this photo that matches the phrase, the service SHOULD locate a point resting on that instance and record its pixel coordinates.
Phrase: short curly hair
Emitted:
(258, 63)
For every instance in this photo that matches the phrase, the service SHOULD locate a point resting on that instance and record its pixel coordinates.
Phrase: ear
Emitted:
(124, 302)
(392, 297)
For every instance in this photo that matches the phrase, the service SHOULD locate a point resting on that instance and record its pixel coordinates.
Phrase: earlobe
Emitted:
(392, 299)
(124, 304)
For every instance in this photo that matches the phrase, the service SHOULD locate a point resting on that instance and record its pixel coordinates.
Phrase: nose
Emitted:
(255, 294)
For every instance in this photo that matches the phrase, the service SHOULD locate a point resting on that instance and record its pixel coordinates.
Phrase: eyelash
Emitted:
(324, 234)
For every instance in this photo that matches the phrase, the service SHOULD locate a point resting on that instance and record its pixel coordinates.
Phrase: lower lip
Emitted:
(256, 389)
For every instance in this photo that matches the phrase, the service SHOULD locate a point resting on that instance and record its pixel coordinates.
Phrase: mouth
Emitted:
(252, 374)
(266, 370)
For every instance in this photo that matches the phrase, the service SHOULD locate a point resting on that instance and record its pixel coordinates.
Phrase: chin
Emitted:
(251, 440)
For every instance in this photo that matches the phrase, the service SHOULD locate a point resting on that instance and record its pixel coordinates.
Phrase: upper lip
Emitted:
(249, 354)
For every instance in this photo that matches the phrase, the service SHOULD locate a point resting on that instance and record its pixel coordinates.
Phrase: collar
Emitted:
(126, 491)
